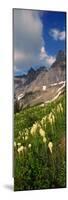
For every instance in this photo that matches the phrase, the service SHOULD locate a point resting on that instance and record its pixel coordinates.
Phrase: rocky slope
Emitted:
(42, 84)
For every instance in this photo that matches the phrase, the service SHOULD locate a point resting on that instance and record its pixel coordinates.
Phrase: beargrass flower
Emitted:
(19, 144)
(34, 128)
(51, 118)
(42, 132)
(26, 137)
(29, 145)
(20, 149)
(44, 139)
(50, 146)
(59, 107)
(43, 120)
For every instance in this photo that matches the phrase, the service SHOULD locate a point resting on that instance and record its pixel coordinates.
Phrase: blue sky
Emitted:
(55, 20)
(38, 36)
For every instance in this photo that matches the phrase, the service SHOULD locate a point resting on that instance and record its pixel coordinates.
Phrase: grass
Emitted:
(39, 146)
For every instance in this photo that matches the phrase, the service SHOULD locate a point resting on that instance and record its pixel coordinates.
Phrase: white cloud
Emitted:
(57, 34)
(28, 40)
(27, 37)
(42, 53)
(19, 56)
(48, 60)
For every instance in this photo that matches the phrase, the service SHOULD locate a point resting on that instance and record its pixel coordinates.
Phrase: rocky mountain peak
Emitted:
(31, 71)
(60, 56)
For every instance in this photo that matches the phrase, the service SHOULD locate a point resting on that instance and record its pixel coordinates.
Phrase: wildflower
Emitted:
(29, 145)
(59, 107)
(42, 132)
(44, 139)
(51, 118)
(19, 144)
(43, 120)
(42, 105)
(34, 128)
(20, 149)
(50, 146)
(62, 109)
(14, 144)
(26, 137)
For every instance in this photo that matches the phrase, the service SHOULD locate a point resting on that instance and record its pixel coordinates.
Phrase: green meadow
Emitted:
(39, 146)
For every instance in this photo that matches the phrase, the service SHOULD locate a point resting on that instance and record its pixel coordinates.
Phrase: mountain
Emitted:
(60, 56)
(60, 60)
(30, 87)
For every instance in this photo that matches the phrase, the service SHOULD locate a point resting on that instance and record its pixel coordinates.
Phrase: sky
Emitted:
(37, 38)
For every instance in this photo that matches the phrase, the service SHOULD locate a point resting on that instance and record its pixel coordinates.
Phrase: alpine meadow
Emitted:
(39, 40)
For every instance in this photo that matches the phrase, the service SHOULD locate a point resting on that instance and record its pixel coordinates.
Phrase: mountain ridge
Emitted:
(59, 58)
(35, 81)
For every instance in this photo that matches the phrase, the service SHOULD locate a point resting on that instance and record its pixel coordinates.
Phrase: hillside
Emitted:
(39, 144)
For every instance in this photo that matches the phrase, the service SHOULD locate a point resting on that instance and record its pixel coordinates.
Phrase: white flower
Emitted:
(34, 128)
(14, 144)
(42, 132)
(29, 145)
(50, 146)
(42, 105)
(51, 118)
(43, 120)
(44, 139)
(26, 137)
(59, 107)
(19, 144)
(20, 149)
